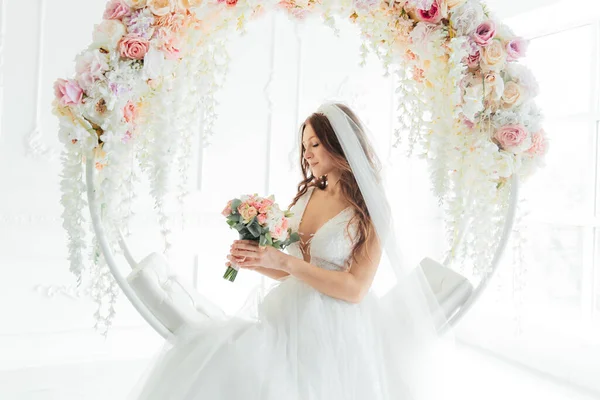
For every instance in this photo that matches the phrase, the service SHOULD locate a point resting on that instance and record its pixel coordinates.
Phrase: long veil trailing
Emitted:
(413, 333)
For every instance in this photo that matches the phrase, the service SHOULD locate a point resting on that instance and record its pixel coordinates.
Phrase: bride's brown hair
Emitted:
(348, 185)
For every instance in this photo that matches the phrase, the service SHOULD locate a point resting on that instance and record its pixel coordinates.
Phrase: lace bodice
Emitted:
(330, 246)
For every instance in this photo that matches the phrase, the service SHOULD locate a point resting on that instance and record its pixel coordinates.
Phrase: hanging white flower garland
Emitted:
(154, 67)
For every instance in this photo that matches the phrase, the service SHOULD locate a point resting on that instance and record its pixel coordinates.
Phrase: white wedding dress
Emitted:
(300, 344)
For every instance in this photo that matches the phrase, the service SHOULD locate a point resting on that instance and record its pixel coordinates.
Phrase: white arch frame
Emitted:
(162, 330)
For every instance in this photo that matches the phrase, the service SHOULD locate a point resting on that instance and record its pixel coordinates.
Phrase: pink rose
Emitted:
(514, 138)
(133, 47)
(130, 111)
(117, 9)
(474, 56)
(262, 218)
(279, 233)
(539, 144)
(433, 15)
(227, 210)
(484, 33)
(90, 67)
(68, 92)
(516, 49)
(285, 223)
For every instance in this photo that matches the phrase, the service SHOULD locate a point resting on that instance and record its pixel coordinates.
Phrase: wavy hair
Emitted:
(348, 185)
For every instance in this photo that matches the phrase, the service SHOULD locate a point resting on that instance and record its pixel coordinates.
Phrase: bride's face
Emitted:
(318, 158)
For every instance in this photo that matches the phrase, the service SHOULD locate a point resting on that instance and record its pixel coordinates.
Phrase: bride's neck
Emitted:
(333, 189)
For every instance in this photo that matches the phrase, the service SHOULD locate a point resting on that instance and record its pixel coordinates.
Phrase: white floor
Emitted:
(495, 380)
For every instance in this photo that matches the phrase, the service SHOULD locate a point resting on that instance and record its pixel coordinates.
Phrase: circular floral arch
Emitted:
(465, 104)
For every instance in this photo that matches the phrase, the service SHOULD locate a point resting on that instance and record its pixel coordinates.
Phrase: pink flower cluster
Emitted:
(518, 140)
(131, 29)
(266, 212)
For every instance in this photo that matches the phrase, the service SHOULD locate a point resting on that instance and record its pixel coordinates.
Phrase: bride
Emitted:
(320, 331)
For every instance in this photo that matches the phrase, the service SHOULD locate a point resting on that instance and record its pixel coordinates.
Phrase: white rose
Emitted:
(108, 34)
(467, 17)
(493, 57)
(513, 95)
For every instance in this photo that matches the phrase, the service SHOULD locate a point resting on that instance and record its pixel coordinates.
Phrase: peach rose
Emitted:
(252, 212)
(133, 47)
(512, 96)
(161, 7)
(187, 4)
(493, 57)
(137, 4)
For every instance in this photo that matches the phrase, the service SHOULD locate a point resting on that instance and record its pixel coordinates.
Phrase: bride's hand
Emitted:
(255, 256)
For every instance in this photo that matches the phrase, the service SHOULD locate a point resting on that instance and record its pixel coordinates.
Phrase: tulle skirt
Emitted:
(299, 345)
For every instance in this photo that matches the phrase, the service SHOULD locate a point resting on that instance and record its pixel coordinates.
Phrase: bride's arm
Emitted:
(272, 273)
(350, 285)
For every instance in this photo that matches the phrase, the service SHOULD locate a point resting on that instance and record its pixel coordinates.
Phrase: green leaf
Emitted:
(234, 217)
(269, 238)
(235, 203)
(262, 241)
(254, 228)
(294, 237)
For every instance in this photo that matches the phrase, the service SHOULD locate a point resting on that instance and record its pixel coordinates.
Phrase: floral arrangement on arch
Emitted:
(153, 68)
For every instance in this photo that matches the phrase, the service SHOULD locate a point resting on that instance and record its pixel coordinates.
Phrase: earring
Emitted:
(321, 182)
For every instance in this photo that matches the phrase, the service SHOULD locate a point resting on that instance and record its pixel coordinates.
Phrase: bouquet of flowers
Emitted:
(259, 219)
